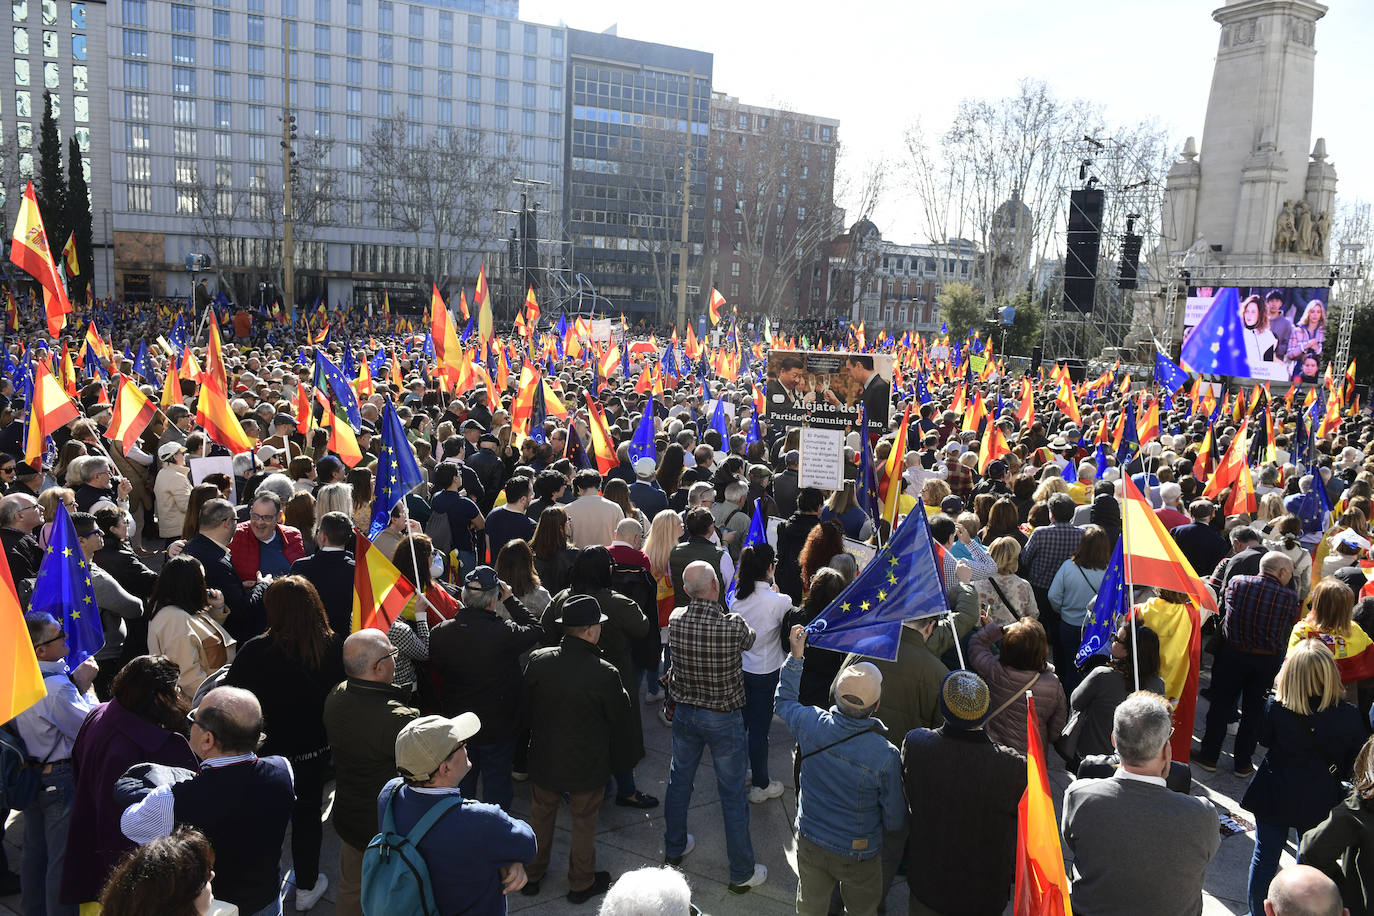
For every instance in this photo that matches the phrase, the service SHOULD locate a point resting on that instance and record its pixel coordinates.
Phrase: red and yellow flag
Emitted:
(994, 446)
(601, 443)
(217, 419)
(31, 253)
(717, 303)
(342, 441)
(531, 309)
(69, 257)
(1066, 402)
(1042, 887)
(131, 414)
(300, 404)
(380, 592)
(891, 485)
(21, 681)
(50, 409)
(1152, 557)
(482, 300)
(214, 373)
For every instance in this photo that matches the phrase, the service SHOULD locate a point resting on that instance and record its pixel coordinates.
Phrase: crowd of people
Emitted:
(558, 610)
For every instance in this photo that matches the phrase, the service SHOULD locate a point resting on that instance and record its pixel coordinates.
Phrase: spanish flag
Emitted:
(214, 373)
(31, 253)
(69, 256)
(717, 303)
(380, 592)
(891, 485)
(448, 352)
(531, 309)
(217, 419)
(601, 443)
(50, 409)
(131, 415)
(300, 404)
(1354, 652)
(994, 446)
(524, 400)
(481, 298)
(1179, 628)
(342, 440)
(1066, 402)
(1042, 887)
(21, 682)
(171, 388)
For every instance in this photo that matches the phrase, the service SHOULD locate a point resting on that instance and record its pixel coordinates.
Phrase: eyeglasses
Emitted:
(61, 635)
(262, 518)
(392, 654)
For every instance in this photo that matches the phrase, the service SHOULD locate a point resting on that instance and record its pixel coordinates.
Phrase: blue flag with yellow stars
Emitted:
(901, 583)
(397, 470)
(866, 487)
(755, 433)
(1130, 437)
(1168, 376)
(576, 451)
(921, 390)
(63, 589)
(1107, 611)
(721, 424)
(143, 366)
(538, 413)
(757, 534)
(340, 384)
(1217, 345)
(642, 445)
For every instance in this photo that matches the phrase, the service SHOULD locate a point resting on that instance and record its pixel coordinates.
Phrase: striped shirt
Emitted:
(706, 645)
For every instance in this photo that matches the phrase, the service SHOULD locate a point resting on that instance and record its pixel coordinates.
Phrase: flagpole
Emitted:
(958, 649)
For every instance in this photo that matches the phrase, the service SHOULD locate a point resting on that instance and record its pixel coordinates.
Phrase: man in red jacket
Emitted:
(262, 546)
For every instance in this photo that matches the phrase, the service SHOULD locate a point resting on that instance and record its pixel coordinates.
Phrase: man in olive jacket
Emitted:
(579, 717)
(362, 717)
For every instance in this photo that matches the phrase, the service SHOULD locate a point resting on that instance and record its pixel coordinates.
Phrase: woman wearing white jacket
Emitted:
(172, 489)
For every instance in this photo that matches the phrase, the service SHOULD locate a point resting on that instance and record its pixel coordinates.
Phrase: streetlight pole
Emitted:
(288, 153)
(686, 207)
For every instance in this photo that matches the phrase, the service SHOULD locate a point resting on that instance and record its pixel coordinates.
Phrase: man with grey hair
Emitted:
(732, 518)
(362, 717)
(1301, 890)
(20, 514)
(1045, 551)
(1258, 619)
(215, 531)
(707, 681)
(1138, 847)
(476, 656)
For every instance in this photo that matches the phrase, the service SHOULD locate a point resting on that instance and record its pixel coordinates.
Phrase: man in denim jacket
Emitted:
(851, 787)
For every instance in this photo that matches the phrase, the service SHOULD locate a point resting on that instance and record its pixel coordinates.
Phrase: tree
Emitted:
(1025, 333)
(853, 259)
(961, 309)
(51, 187)
(654, 220)
(78, 218)
(312, 200)
(219, 212)
(441, 187)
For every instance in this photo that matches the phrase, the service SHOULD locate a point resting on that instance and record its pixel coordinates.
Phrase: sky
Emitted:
(883, 65)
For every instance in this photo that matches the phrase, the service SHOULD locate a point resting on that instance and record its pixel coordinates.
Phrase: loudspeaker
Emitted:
(1084, 238)
(1037, 357)
(1130, 261)
(1077, 369)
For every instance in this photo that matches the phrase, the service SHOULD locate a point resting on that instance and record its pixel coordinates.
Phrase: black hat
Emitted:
(283, 419)
(471, 424)
(488, 439)
(483, 578)
(581, 611)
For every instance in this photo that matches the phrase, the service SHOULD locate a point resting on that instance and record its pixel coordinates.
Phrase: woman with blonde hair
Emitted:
(1048, 487)
(333, 497)
(1330, 622)
(1270, 509)
(664, 532)
(1310, 331)
(49, 499)
(1007, 597)
(1313, 737)
(934, 492)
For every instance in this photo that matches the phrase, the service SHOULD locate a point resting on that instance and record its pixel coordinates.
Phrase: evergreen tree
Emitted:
(51, 187)
(78, 219)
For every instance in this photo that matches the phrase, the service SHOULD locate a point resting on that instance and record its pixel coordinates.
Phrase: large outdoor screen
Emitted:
(1285, 328)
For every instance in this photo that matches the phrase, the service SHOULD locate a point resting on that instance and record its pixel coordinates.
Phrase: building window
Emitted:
(257, 90)
(135, 12)
(184, 80)
(322, 38)
(445, 111)
(79, 47)
(257, 118)
(322, 96)
(415, 79)
(502, 92)
(52, 76)
(503, 119)
(257, 148)
(353, 71)
(183, 141)
(140, 168)
(140, 197)
(474, 30)
(25, 135)
(322, 10)
(353, 128)
(415, 107)
(474, 114)
(256, 31)
(446, 57)
(446, 85)
(384, 16)
(183, 18)
(556, 44)
(445, 25)
(136, 136)
(475, 60)
(474, 87)
(826, 134)
(80, 79)
(256, 59)
(384, 104)
(417, 20)
(21, 72)
(355, 12)
(528, 95)
(135, 42)
(384, 75)
(384, 47)
(222, 110)
(135, 74)
(415, 51)
(355, 99)
(503, 34)
(184, 111)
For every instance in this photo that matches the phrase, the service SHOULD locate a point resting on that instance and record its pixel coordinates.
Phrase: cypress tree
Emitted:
(78, 219)
(51, 187)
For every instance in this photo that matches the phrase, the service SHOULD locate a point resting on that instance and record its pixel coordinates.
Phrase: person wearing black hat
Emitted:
(487, 465)
(472, 432)
(476, 656)
(948, 824)
(579, 716)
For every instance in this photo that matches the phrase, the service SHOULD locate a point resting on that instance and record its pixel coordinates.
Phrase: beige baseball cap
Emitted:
(428, 741)
(860, 685)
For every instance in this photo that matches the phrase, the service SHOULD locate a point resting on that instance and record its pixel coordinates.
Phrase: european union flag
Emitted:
(625, 359)
(1100, 459)
(340, 385)
(428, 349)
(577, 452)
(1130, 437)
(470, 327)
(143, 367)
(669, 363)
(1315, 507)
(397, 470)
(378, 361)
(178, 336)
(538, 413)
(866, 487)
(755, 433)
(901, 583)
(1217, 344)
(1168, 376)
(757, 534)
(64, 590)
(921, 390)
(93, 366)
(720, 423)
(642, 445)
(1107, 611)
(350, 365)
(1070, 472)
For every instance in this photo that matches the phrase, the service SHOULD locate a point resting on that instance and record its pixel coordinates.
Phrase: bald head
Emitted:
(1276, 565)
(628, 530)
(1301, 890)
(699, 579)
(364, 656)
(234, 717)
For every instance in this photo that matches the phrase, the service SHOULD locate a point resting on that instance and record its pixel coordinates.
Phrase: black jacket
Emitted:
(792, 535)
(1293, 785)
(579, 717)
(246, 617)
(477, 658)
(24, 556)
(785, 492)
(490, 470)
(127, 569)
(331, 572)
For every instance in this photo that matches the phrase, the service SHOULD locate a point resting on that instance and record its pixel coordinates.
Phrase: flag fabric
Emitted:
(717, 303)
(1217, 345)
(63, 589)
(721, 423)
(994, 446)
(1042, 887)
(892, 485)
(217, 419)
(1314, 509)
(757, 534)
(21, 680)
(1180, 645)
(1110, 607)
(642, 445)
(1152, 557)
(340, 384)
(482, 300)
(901, 583)
(397, 470)
(49, 409)
(602, 444)
(531, 309)
(380, 592)
(32, 254)
(300, 406)
(1167, 375)
(865, 487)
(69, 260)
(342, 440)
(143, 366)
(131, 415)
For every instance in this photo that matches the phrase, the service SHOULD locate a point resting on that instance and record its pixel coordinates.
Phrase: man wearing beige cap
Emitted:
(851, 787)
(475, 852)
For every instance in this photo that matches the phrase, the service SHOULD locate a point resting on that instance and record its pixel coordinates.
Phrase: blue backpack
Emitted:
(395, 875)
(19, 780)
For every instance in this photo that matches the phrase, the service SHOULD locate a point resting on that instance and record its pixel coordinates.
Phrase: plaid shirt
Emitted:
(959, 478)
(1046, 550)
(1260, 614)
(706, 644)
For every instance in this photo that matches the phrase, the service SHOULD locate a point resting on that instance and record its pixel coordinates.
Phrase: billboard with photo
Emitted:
(824, 389)
(1285, 328)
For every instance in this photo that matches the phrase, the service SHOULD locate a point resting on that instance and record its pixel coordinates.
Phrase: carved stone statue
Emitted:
(1285, 231)
(1321, 229)
(1302, 220)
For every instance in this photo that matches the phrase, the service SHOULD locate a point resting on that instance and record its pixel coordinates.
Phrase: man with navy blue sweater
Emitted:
(240, 801)
(476, 853)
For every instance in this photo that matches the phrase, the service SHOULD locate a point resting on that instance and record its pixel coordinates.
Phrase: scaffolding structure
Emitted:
(1131, 198)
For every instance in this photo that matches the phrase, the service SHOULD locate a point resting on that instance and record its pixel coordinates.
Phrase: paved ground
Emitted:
(630, 839)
